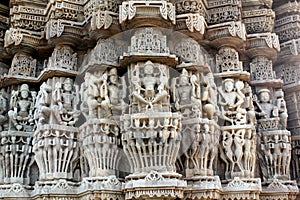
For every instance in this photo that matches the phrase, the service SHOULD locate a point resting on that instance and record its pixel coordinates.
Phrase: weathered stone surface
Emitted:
(139, 99)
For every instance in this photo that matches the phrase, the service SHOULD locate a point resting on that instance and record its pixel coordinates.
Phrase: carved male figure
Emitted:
(187, 95)
(65, 111)
(22, 114)
(151, 94)
(42, 105)
(282, 110)
(232, 102)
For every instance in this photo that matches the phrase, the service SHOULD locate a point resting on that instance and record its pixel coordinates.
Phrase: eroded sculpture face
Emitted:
(264, 97)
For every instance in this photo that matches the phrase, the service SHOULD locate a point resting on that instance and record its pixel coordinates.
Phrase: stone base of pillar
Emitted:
(106, 187)
(55, 188)
(14, 191)
(154, 185)
(203, 187)
(245, 188)
(278, 189)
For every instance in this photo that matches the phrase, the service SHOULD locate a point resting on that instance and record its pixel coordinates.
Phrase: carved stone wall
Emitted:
(142, 99)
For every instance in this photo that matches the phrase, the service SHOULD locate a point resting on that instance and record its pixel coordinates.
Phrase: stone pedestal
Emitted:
(56, 149)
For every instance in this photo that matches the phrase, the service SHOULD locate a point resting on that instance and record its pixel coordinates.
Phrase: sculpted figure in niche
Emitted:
(248, 104)
(187, 94)
(209, 95)
(112, 94)
(232, 100)
(286, 155)
(23, 105)
(267, 109)
(151, 88)
(66, 101)
(90, 94)
(282, 110)
(42, 105)
(3, 109)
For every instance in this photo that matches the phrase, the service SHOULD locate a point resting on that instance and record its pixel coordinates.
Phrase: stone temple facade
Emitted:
(149, 99)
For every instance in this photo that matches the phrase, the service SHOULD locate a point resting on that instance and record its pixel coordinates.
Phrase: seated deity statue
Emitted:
(22, 102)
(66, 101)
(267, 109)
(3, 109)
(232, 100)
(150, 89)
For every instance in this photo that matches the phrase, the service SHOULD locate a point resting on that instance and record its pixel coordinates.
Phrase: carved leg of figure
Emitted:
(129, 153)
(68, 157)
(206, 153)
(175, 152)
(2, 167)
(187, 160)
(155, 152)
(150, 147)
(96, 147)
(21, 160)
(193, 153)
(110, 155)
(56, 112)
(45, 156)
(139, 147)
(280, 171)
(145, 157)
(134, 155)
(224, 158)
(56, 150)
(7, 165)
(24, 165)
(49, 155)
(15, 160)
(213, 154)
(13, 117)
(106, 154)
(160, 155)
(170, 153)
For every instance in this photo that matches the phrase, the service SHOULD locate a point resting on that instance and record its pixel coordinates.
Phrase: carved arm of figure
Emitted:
(13, 99)
(261, 113)
(137, 93)
(175, 93)
(240, 101)
(76, 97)
(196, 91)
(222, 103)
(57, 96)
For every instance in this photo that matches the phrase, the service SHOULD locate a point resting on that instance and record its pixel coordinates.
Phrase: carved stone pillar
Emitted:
(194, 96)
(17, 127)
(100, 135)
(151, 131)
(237, 121)
(55, 142)
(287, 27)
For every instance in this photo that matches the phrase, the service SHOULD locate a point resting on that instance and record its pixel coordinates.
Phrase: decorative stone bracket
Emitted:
(194, 22)
(128, 10)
